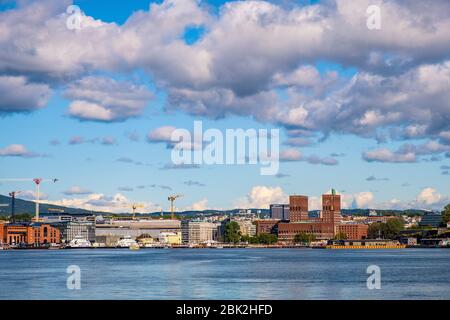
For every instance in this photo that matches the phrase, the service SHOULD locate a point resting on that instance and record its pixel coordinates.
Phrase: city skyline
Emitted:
(95, 106)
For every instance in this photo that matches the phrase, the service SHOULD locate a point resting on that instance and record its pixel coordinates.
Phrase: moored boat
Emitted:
(126, 242)
(79, 242)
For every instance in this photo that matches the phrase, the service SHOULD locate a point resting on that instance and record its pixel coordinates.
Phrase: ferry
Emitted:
(79, 242)
(365, 244)
(126, 242)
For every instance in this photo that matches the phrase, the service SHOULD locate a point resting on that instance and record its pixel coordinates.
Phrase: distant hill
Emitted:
(24, 206)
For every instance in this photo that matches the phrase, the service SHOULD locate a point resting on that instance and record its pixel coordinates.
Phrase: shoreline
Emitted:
(226, 247)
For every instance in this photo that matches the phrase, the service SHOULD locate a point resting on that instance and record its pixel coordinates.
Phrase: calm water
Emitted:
(225, 274)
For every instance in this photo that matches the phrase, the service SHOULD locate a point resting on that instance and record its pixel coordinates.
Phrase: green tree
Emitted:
(388, 230)
(340, 236)
(267, 238)
(303, 237)
(446, 214)
(232, 232)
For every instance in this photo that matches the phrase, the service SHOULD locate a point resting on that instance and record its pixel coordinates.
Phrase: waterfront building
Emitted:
(2, 232)
(170, 237)
(365, 244)
(408, 241)
(79, 229)
(197, 232)
(65, 217)
(71, 226)
(107, 240)
(146, 239)
(246, 226)
(287, 231)
(136, 228)
(298, 208)
(354, 230)
(30, 234)
(368, 219)
(267, 226)
(280, 211)
(431, 219)
(324, 227)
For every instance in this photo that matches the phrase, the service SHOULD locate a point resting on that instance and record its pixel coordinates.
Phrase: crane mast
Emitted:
(172, 199)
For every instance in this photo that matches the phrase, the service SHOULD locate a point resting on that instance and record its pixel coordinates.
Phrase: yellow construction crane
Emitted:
(135, 206)
(172, 198)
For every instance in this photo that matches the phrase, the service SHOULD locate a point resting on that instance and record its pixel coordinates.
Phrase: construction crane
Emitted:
(172, 198)
(37, 182)
(13, 204)
(135, 206)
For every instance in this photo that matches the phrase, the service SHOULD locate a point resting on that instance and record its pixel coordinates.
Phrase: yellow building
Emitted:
(146, 240)
(170, 237)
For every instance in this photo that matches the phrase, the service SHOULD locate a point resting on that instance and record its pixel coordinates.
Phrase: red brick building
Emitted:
(298, 207)
(266, 226)
(287, 231)
(31, 234)
(355, 231)
(324, 227)
(2, 232)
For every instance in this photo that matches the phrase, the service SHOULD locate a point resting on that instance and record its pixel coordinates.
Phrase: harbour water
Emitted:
(225, 274)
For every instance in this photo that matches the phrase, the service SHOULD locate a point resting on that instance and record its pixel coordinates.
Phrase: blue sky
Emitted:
(365, 128)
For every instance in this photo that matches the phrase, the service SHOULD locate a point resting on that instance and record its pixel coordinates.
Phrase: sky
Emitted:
(364, 110)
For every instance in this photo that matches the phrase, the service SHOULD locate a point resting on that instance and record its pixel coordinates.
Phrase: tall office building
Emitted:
(298, 206)
(279, 211)
(331, 207)
(197, 232)
(431, 219)
(324, 227)
(331, 212)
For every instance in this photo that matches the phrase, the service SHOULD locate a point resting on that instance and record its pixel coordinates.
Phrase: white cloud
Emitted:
(363, 200)
(290, 155)
(261, 197)
(386, 155)
(199, 205)
(104, 99)
(406, 152)
(249, 51)
(428, 196)
(19, 95)
(31, 195)
(117, 203)
(76, 190)
(17, 150)
(161, 134)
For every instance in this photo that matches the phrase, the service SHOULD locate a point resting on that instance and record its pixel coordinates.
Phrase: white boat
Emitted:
(80, 242)
(126, 242)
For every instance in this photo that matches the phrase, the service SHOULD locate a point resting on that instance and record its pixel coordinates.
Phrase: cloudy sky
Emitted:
(365, 111)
